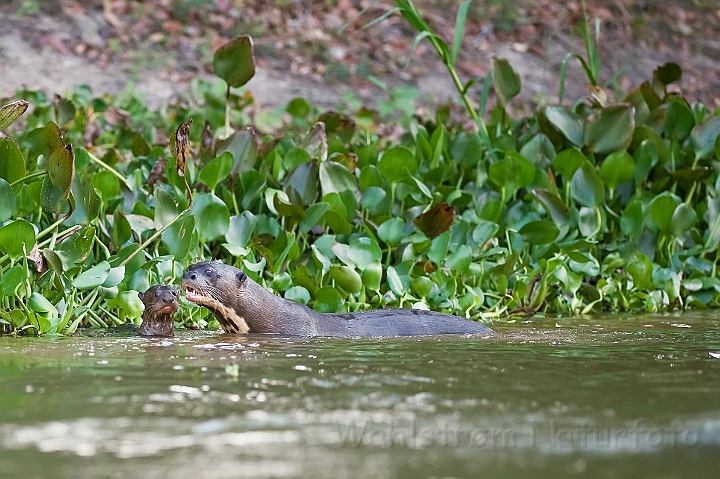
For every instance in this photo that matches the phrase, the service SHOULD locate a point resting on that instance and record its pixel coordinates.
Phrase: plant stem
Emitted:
(155, 236)
(108, 167)
(30, 176)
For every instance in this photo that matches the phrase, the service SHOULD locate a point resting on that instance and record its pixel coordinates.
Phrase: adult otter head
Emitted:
(218, 287)
(160, 307)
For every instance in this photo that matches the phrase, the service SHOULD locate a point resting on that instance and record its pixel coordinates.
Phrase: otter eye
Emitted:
(175, 292)
(208, 272)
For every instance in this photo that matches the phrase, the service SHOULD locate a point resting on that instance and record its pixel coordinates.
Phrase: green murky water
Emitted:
(612, 397)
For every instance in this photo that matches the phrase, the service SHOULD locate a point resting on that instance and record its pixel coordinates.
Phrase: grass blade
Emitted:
(459, 30)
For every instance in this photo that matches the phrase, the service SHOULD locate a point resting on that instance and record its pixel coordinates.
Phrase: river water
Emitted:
(620, 397)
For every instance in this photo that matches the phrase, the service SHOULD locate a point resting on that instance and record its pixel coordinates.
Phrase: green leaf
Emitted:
(390, 231)
(242, 144)
(335, 178)
(115, 277)
(295, 157)
(15, 235)
(216, 170)
(212, 218)
(679, 120)
(618, 167)
(364, 251)
(668, 73)
(609, 129)
(511, 173)
(569, 124)
(459, 30)
(396, 163)
(106, 184)
(93, 277)
(11, 279)
(327, 300)
(539, 232)
(568, 161)
(439, 248)
(313, 216)
(298, 294)
(130, 304)
(704, 136)
(234, 61)
(683, 219)
(304, 180)
(7, 201)
(178, 237)
(586, 186)
(11, 112)
(372, 276)
(12, 161)
(61, 168)
(394, 281)
(646, 157)
(422, 286)
(631, 221)
(39, 303)
(460, 260)
(505, 80)
(346, 278)
(165, 208)
(87, 201)
(52, 138)
(660, 210)
(554, 205)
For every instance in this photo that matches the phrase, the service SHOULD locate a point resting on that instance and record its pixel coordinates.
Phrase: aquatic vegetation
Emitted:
(605, 204)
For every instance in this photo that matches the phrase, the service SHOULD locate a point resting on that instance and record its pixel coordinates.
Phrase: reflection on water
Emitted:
(615, 397)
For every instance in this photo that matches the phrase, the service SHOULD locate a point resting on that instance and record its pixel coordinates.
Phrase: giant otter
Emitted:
(160, 307)
(241, 305)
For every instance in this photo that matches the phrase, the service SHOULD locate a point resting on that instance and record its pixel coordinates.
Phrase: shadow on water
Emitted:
(608, 397)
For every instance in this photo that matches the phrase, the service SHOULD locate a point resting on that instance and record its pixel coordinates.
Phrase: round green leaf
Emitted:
(212, 218)
(396, 162)
(372, 276)
(539, 232)
(660, 210)
(130, 303)
(586, 186)
(568, 161)
(7, 201)
(165, 208)
(106, 184)
(295, 157)
(216, 170)
(39, 303)
(15, 235)
(234, 61)
(631, 221)
(364, 251)
(566, 122)
(617, 168)
(646, 156)
(422, 286)
(336, 178)
(298, 294)
(554, 205)
(683, 219)
(178, 237)
(609, 129)
(327, 300)
(668, 73)
(93, 277)
(391, 231)
(346, 278)
(704, 136)
(679, 119)
(394, 281)
(460, 260)
(12, 161)
(511, 173)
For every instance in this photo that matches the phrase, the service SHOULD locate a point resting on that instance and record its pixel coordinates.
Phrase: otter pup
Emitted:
(161, 304)
(241, 305)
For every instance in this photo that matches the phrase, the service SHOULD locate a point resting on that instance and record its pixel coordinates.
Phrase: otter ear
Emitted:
(241, 277)
(140, 295)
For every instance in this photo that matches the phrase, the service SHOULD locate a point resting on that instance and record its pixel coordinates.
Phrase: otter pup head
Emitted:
(217, 287)
(161, 304)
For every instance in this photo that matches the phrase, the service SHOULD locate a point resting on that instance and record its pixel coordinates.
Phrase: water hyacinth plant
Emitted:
(603, 205)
